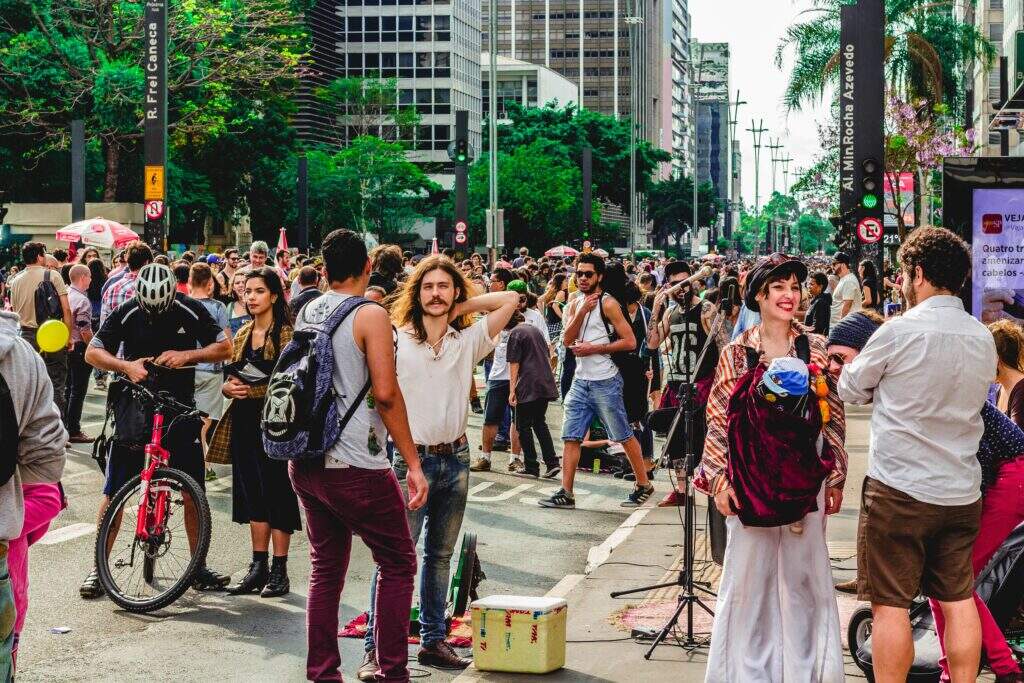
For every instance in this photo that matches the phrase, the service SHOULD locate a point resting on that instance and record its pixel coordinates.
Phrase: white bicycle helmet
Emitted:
(155, 288)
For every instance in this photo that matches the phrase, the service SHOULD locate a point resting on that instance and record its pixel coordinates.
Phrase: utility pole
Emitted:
(733, 122)
(785, 173)
(492, 133)
(757, 129)
(774, 147)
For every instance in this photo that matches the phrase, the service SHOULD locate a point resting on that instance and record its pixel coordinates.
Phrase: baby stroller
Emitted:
(1000, 585)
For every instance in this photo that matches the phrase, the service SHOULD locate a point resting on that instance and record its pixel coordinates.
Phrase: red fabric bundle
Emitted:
(774, 465)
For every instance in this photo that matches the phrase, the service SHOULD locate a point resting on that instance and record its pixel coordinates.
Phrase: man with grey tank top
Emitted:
(353, 489)
(597, 387)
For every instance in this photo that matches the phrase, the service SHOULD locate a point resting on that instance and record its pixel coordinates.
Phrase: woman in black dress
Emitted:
(871, 290)
(262, 494)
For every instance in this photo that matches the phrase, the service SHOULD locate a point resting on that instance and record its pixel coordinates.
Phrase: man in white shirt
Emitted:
(927, 373)
(438, 345)
(846, 295)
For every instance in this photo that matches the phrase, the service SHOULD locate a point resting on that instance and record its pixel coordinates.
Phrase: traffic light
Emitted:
(870, 183)
(461, 151)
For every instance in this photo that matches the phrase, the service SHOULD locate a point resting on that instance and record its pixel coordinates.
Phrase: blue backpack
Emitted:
(301, 419)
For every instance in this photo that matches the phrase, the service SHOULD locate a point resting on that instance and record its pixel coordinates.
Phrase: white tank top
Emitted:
(598, 366)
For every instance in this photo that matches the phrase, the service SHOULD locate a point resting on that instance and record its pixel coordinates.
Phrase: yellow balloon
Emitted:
(52, 336)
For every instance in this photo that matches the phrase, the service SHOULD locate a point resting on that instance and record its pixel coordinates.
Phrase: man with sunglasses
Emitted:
(597, 387)
(227, 273)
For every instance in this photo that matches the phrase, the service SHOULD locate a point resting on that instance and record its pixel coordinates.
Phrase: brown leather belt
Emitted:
(443, 448)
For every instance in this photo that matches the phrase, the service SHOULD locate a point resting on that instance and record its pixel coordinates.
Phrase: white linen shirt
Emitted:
(436, 389)
(928, 373)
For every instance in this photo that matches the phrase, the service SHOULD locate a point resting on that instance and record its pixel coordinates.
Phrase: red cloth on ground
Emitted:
(461, 634)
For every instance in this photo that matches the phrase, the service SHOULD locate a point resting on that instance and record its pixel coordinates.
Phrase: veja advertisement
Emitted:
(998, 254)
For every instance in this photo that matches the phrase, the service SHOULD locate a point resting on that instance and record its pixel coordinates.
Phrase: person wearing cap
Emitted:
(928, 374)
(775, 579)
(846, 295)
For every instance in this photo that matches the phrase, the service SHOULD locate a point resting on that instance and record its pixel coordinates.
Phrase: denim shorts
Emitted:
(602, 399)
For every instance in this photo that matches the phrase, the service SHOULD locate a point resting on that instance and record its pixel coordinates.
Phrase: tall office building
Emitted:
(591, 45)
(713, 145)
(433, 48)
(676, 100)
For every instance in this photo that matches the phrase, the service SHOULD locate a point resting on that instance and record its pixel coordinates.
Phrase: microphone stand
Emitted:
(688, 597)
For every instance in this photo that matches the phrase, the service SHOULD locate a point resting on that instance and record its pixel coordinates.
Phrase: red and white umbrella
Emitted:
(282, 241)
(98, 232)
(561, 250)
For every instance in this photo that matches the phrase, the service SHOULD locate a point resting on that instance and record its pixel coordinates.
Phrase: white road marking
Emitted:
(480, 487)
(66, 533)
(504, 495)
(599, 553)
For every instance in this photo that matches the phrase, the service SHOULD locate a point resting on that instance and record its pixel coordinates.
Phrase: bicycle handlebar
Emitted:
(161, 399)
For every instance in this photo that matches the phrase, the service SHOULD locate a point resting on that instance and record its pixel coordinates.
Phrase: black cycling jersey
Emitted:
(187, 325)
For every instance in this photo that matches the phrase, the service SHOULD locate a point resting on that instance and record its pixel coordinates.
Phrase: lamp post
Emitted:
(492, 133)
(733, 122)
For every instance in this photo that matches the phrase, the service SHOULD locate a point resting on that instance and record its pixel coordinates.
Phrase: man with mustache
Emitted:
(438, 344)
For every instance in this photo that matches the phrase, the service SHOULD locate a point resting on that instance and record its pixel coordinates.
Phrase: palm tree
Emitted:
(927, 51)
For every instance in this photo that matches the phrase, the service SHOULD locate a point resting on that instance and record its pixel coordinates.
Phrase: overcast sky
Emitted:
(753, 30)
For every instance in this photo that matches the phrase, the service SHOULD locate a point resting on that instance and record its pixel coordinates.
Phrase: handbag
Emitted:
(101, 446)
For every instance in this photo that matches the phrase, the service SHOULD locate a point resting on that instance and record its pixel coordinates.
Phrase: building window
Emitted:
(995, 32)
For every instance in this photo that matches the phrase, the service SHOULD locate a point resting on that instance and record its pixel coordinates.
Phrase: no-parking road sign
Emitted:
(869, 230)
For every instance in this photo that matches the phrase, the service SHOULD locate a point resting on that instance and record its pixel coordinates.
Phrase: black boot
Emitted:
(253, 581)
(278, 583)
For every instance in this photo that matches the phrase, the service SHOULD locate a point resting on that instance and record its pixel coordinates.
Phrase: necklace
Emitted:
(436, 348)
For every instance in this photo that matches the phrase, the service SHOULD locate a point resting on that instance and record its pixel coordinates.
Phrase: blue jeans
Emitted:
(602, 399)
(440, 520)
(7, 615)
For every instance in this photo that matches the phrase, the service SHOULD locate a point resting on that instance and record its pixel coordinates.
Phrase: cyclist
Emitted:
(162, 334)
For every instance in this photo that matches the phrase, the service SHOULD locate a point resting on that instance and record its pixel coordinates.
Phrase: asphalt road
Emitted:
(525, 550)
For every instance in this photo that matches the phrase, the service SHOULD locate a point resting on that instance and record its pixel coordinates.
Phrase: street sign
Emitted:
(460, 227)
(154, 209)
(460, 238)
(154, 183)
(869, 230)
(1018, 59)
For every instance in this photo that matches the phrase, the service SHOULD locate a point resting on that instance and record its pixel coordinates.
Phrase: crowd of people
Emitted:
(765, 352)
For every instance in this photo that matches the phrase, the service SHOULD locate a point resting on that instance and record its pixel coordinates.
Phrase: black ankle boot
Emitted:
(253, 581)
(278, 583)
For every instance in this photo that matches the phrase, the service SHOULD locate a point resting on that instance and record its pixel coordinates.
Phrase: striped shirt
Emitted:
(710, 476)
(122, 290)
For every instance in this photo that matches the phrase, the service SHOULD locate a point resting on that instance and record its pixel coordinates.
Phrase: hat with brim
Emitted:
(770, 267)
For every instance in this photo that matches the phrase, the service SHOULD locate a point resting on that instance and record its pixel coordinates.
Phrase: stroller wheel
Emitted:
(857, 633)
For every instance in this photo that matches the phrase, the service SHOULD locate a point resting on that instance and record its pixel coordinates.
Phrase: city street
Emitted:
(525, 550)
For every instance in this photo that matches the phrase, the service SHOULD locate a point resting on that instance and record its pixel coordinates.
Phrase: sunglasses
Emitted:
(837, 359)
(586, 274)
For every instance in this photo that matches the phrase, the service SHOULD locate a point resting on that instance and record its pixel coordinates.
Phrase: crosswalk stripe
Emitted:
(66, 533)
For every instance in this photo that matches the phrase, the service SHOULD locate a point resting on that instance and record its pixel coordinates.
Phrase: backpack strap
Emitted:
(753, 357)
(329, 327)
(612, 335)
(8, 433)
(803, 348)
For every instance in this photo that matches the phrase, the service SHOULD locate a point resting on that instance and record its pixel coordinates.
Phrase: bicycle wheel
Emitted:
(462, 582)
(142, 576)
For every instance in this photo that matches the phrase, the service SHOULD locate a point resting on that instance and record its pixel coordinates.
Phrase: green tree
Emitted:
(811, 233)
(366, 106)
(564, 131)
(670, 208)
(926, 47)
(368, 186)
(540, 194)
(67, 59)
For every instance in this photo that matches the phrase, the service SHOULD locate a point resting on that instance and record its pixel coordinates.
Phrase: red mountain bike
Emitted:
(153, 562)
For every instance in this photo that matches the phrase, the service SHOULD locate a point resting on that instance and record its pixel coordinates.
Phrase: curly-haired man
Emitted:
(927, 373)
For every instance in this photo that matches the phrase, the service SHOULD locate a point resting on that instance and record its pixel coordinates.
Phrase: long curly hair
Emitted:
(407, 309)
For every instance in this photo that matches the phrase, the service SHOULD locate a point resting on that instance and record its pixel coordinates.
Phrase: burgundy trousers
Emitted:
(367, 503)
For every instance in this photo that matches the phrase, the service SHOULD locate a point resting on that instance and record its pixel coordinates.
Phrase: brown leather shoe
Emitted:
(369, 669)
(81, 438)
(847, 586)
(441, 656)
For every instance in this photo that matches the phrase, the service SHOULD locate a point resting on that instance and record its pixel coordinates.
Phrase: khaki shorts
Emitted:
(208, 396)
(905, 546)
